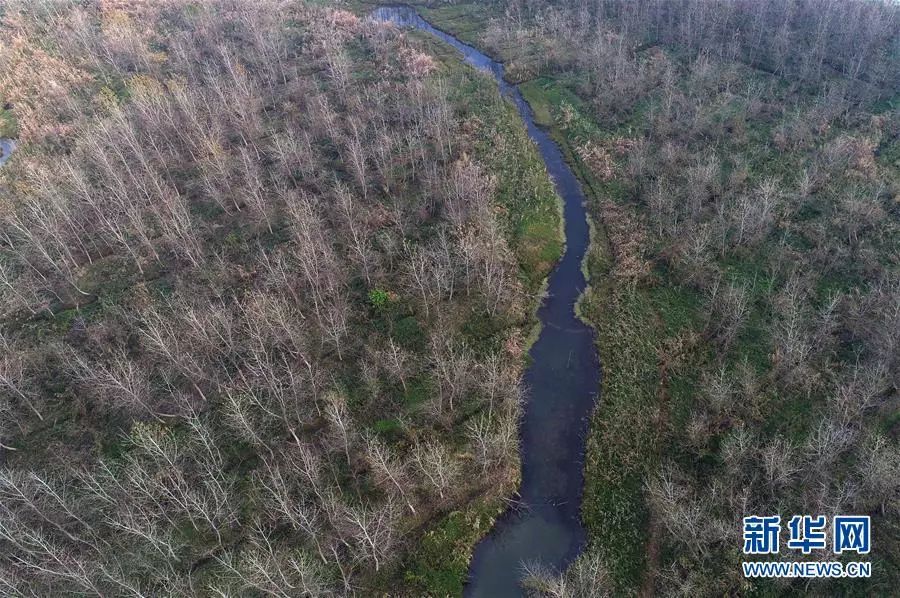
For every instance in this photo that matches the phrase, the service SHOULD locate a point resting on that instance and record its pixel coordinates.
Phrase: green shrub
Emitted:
(379, 298)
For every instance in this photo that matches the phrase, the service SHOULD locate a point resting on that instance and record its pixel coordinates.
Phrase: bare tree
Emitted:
(383, 461)
(373, 529)
(398, 362)
(340, 422)
(438, 466)
(13, 381)
(453, 367)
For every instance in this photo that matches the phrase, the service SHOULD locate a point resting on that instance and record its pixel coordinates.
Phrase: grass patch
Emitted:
(624, 438)
(525, 199)
(9, 125)
(465, 21)
(440, 563)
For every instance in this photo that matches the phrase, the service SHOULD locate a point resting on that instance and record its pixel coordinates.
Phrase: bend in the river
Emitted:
(562, 383)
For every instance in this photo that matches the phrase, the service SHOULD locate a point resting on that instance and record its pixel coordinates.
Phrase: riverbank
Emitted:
(627, 319)
(533, 215)
(562, 383)
(745, 301)
(426, 237)
(612, 508)
(633, 324)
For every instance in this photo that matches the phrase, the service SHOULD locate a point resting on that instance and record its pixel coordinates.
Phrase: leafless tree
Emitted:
(383, 461)
(434, 461)
(453, 367)
(373, 529)
(13, 381)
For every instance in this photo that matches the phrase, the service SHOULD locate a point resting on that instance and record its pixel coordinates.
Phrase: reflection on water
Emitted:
(7, 146)
(562, 383)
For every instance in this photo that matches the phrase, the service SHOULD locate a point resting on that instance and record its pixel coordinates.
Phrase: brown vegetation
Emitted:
(241, 245)
(749, 360)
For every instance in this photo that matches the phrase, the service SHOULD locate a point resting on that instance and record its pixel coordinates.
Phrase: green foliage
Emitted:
(9, 126)
(484, 333)
(409, 334)
(530, 208)
(390, 429)
(679, 307)
(624, 441)
(616, 519)
(418, 390)
(540, 98)
(440, 562)
(465, 20)
(379, 298)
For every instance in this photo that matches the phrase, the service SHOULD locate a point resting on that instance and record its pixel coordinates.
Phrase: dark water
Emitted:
(562, 384)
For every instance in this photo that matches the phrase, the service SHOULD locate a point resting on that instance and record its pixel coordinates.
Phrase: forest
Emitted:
(269, 274)
(743, 160)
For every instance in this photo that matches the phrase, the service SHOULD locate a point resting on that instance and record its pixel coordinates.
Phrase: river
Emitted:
(562, 383)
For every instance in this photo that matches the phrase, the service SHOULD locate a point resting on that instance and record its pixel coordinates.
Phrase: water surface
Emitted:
(561, 383)
(7, 146)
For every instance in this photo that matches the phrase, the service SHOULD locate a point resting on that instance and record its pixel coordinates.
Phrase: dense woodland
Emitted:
(744, 164)
(267, 274)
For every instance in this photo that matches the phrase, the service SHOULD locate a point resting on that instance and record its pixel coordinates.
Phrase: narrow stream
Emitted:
(561, 383)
